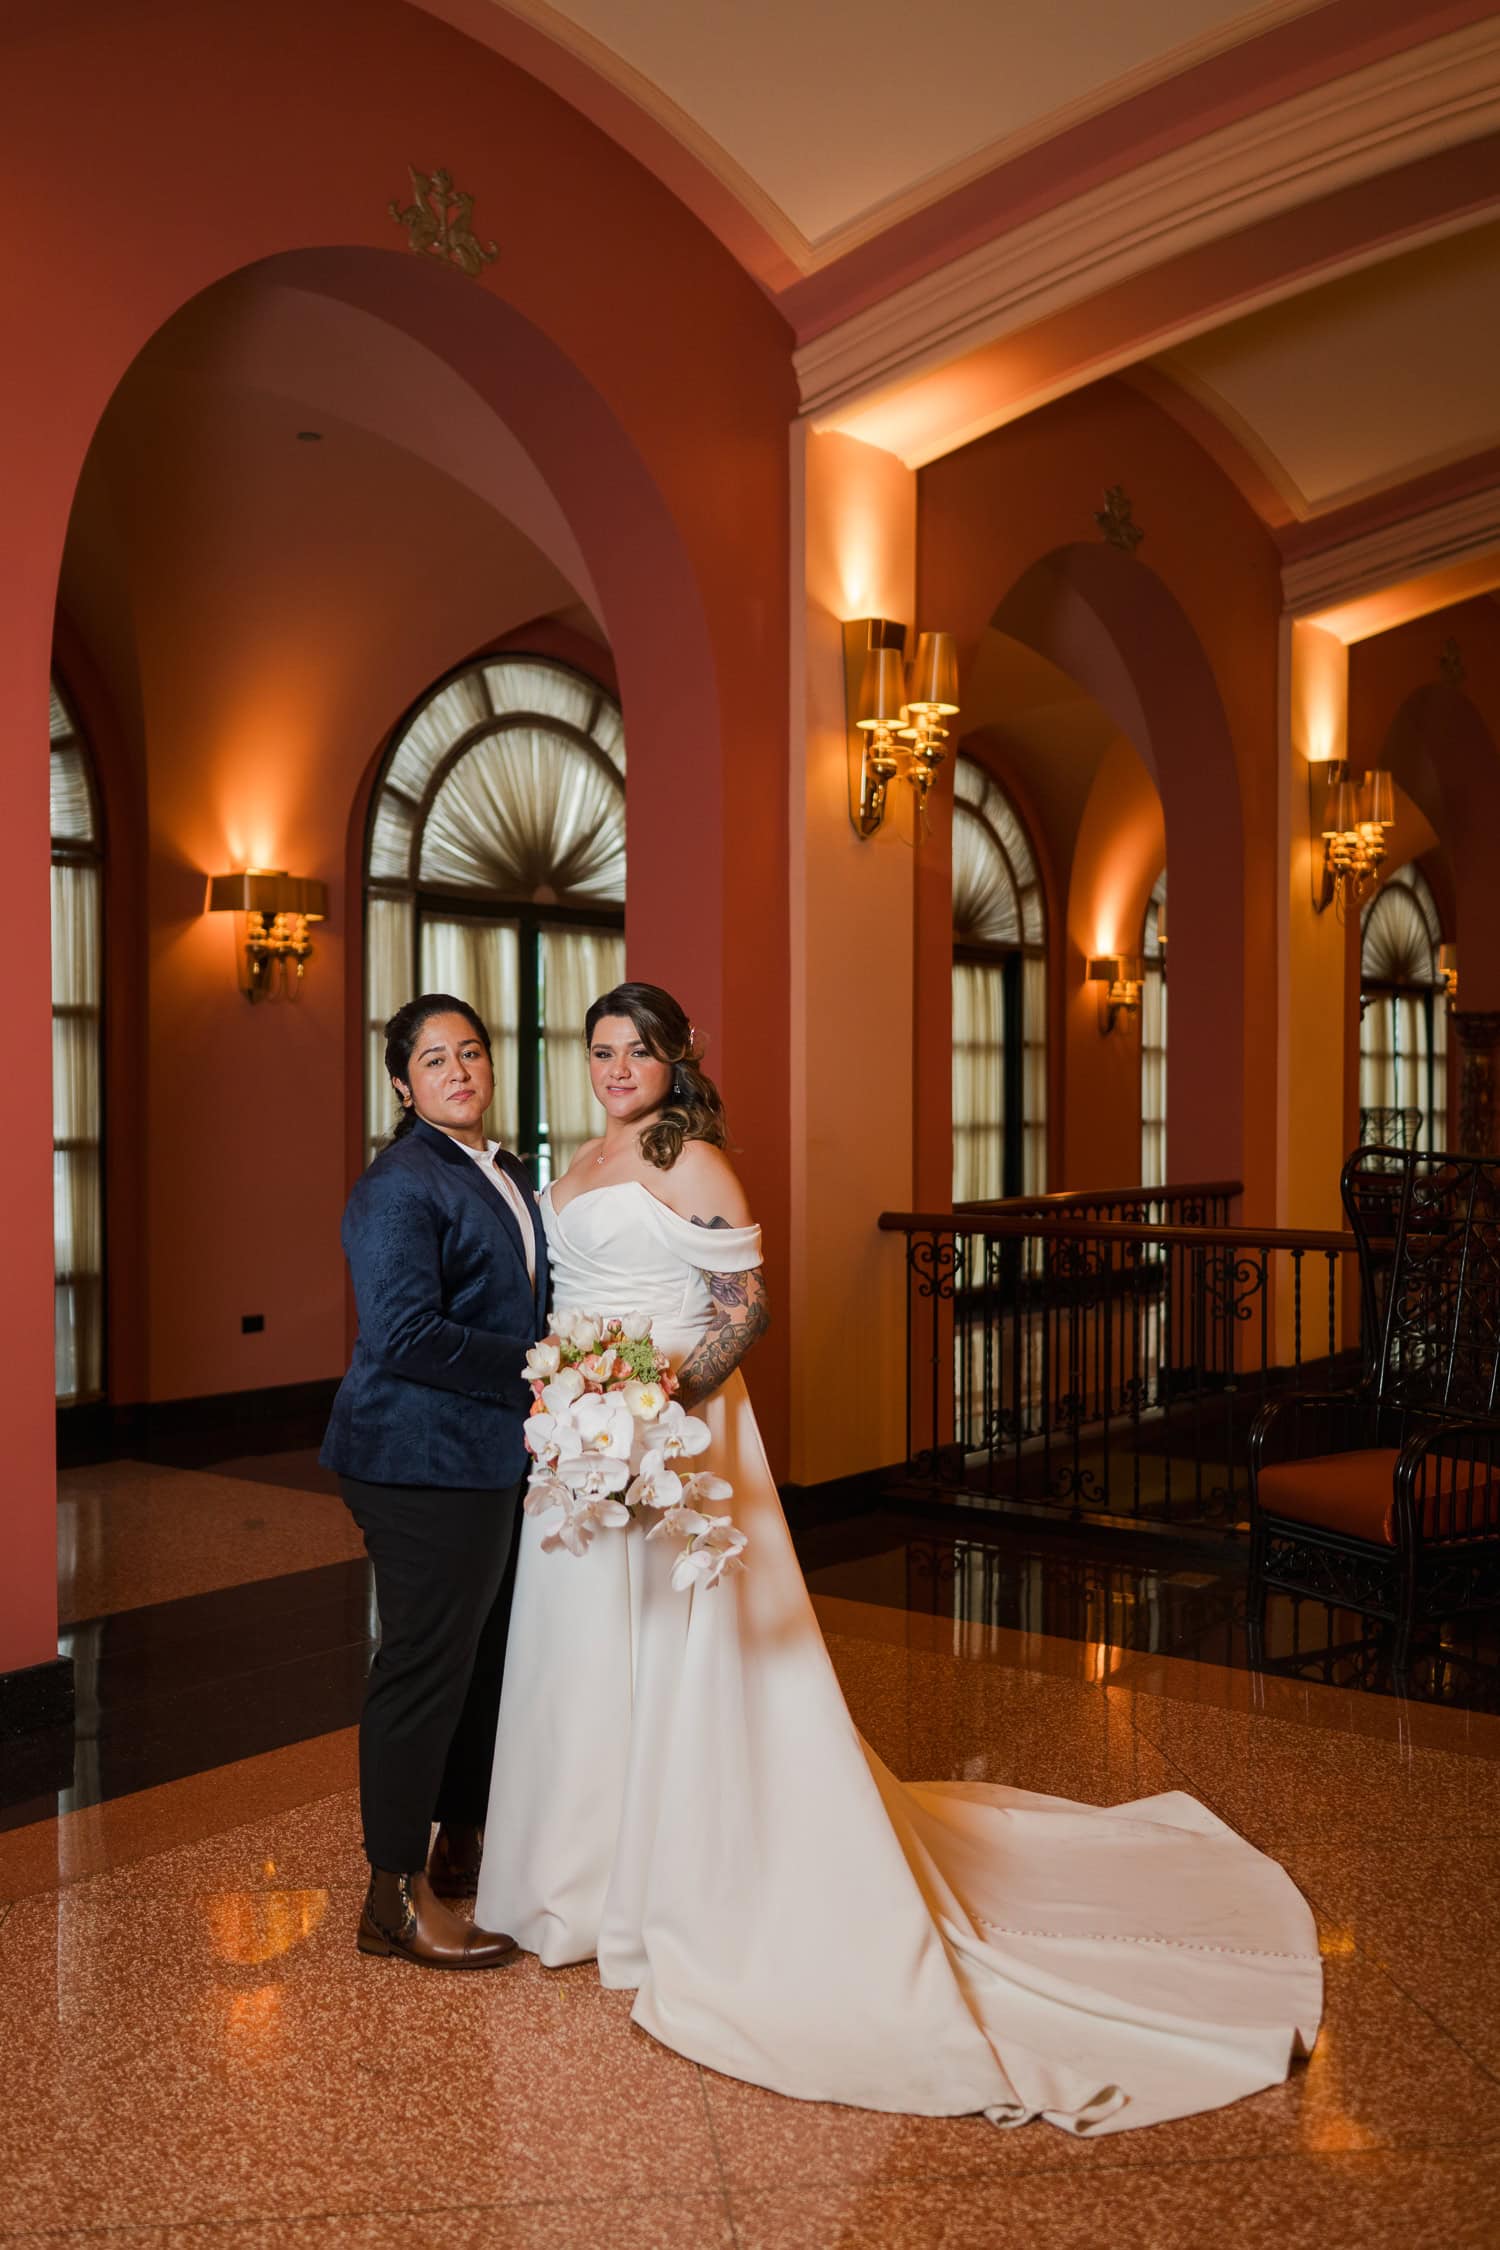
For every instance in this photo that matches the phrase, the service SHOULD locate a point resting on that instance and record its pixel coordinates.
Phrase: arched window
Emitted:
(77, 1015)
(999, 998)
(1154, 1039)
(495, 868)
(1403, 1018)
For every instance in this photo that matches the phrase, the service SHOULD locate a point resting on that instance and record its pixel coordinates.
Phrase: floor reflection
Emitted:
(176, 1687)
(1135, 1594)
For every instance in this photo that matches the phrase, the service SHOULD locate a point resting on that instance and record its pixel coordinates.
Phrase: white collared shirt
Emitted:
(521, 1205)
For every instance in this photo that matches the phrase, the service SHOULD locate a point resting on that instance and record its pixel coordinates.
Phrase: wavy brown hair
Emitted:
(694, 1108)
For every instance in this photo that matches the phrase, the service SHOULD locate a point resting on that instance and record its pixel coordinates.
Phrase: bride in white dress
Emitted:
(680, 1792)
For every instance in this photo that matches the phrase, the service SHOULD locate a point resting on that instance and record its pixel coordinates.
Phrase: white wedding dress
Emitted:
(679, 1791)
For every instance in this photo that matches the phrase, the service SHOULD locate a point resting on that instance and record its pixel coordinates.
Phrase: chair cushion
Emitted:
(1349, 1492)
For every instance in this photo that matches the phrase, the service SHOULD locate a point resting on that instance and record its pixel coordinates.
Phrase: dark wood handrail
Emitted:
(1062, 1199)
(1018, 1228)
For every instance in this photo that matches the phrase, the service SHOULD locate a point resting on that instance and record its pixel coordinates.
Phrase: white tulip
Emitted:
(645, 1400)
(560, 1393)
(542, 1361)
(635, 1327)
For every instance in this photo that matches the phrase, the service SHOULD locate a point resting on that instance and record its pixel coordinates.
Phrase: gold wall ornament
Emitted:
(437, 223)
(1116, 521)
(1451, 663)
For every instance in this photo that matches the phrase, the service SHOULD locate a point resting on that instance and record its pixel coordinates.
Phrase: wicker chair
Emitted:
(1385, 1500)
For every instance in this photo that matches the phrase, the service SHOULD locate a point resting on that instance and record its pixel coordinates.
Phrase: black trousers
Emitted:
(444, 1573)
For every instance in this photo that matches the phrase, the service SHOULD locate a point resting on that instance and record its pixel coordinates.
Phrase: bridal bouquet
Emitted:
(611, 1447)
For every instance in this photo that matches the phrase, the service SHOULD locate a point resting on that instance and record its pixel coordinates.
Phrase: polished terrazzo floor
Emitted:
(192, 2052)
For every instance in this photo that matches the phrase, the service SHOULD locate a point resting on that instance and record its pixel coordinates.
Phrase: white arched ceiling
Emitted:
(832, 122)
(1366, 382)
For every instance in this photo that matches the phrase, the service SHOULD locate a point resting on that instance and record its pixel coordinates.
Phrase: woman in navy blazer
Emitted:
(449, 1266)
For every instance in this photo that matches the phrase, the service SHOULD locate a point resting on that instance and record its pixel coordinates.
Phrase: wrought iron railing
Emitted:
(1110, 1367)
(1204, 1203)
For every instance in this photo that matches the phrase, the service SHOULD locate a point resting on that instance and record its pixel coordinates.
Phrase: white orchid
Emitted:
(559, 1394)
(551, 1438)
(701, 1485)
(660, 1490)
(645, 1400)
(545, 1492)
(595, 1478)
(605, 1424)
(712, 1556)
(680, 1522)
(542, 1361)
(575, 1527)
(677, 1432)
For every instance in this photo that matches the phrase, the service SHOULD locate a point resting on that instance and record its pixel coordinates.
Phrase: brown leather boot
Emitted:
(453, 1866)
(402, 1917)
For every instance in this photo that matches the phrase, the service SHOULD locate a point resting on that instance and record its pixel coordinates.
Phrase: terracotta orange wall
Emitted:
(1121, 850)
(650, 381)
(990, 512)
(277, 640)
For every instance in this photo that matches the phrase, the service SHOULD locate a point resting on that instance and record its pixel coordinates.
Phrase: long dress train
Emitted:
(679, 1790)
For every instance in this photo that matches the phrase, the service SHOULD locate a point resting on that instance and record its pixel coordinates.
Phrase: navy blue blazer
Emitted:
(447, 1314)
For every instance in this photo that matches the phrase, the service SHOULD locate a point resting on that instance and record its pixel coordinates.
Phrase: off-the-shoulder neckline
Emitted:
(607, 1187)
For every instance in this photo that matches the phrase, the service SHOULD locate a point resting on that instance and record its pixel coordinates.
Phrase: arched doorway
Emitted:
(1109, 623)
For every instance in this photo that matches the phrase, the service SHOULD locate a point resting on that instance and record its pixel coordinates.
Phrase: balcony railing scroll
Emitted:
(1066, 1357)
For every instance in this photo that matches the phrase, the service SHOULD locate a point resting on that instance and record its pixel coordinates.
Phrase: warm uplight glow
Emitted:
(248, 1928)
(1381, 612)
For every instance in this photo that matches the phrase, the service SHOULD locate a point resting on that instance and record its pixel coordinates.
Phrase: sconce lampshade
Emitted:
(932, 684)
(1106, 968)
(1341, 811)
(1380, 798)
(269, 891)
(882, 689)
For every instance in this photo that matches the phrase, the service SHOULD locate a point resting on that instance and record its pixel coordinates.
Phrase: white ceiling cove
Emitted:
(835, 118)
(1365, 382)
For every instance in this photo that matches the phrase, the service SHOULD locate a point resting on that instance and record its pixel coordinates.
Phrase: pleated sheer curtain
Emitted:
(1154, 1041)
(999, 997)
(77, 1105)
(496, 871)
(1403, 1029)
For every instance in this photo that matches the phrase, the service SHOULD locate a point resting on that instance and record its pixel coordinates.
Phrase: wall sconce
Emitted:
(1352, 815)
(1122, 976)
(895, 714)
(272, 910)
(1448, 971)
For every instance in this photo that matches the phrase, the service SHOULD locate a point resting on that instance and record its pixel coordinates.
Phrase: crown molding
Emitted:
(1385, 556)
(1391, 113)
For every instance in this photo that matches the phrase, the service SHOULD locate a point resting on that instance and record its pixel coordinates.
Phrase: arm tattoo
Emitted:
(739, 1317)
